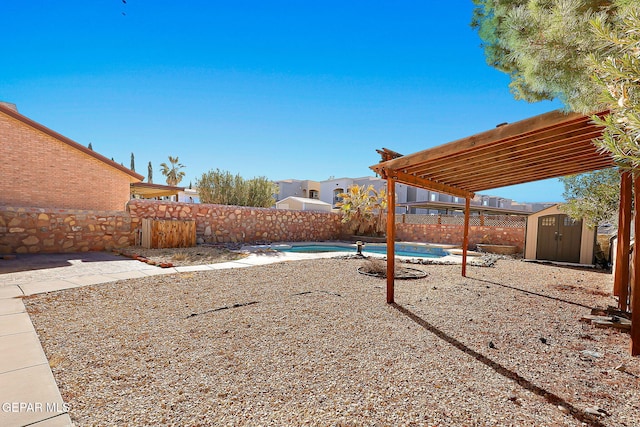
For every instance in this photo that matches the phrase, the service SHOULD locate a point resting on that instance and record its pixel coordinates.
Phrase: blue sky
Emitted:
(282, 89)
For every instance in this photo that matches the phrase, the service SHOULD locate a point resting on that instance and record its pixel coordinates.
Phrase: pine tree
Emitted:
(133, 163)
(150, 173)
(617, 70)
(544, 46)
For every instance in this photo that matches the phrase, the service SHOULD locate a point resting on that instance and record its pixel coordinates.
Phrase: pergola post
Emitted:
(635, 284)
(621, 273)
(391, 237)
(465, 238)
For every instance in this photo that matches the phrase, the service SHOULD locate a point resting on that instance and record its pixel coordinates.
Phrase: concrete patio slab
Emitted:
(134, 274)
(15, 324)
(62, 420)
(21, 351)
(225, 265)
(158, 271)
(188, 268)
(10, 291)
(90, 279)
(11, 306)
(28, 396)
(46, 286)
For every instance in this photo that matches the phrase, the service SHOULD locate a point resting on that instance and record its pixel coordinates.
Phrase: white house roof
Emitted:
(305, 200)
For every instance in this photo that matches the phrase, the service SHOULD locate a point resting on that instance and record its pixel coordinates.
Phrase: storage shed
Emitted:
(554, 236)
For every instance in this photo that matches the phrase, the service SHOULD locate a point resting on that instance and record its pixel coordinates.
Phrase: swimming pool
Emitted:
(401, 249)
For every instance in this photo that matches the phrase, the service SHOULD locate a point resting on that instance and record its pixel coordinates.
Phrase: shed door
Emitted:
(559, 238)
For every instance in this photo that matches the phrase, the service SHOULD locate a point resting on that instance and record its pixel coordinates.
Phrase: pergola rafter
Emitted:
(550, 145)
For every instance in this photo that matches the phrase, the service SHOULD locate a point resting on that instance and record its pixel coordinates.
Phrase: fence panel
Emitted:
(161, 233)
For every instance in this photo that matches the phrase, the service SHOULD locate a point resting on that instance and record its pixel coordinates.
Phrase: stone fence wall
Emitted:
(32, 230)
(453, 234)
(236, 224)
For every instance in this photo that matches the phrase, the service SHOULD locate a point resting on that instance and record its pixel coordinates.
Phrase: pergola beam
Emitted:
(428, 184)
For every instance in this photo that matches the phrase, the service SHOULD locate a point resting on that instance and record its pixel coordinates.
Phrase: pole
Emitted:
(391, 237)
(465, 239)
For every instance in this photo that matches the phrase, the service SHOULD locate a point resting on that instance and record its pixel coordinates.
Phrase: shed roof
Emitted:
(550, 145)
(4, 108)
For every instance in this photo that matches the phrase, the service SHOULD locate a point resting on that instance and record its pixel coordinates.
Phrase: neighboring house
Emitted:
(298, 188)
(189, 195)
(409, 199)
(41, 168)
(303, 204)
(331, 189)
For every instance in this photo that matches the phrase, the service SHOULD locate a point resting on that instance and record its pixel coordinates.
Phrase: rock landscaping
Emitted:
(314, 343)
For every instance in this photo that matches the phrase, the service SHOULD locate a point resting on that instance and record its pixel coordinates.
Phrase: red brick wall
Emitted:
(38, 170)
(453, 234)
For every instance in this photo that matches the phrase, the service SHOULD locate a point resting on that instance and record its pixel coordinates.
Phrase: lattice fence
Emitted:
(506, 221)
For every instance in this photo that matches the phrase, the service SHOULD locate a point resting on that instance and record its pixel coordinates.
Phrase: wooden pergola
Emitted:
(547, 146)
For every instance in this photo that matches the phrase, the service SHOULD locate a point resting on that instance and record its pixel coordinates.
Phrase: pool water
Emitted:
(401, 249)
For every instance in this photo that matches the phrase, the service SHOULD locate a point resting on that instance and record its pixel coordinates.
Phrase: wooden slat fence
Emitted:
(163, 233)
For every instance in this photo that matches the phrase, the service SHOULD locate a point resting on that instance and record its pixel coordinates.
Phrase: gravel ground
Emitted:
(314, 343)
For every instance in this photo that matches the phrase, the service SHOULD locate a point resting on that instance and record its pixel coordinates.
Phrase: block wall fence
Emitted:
(34, 230)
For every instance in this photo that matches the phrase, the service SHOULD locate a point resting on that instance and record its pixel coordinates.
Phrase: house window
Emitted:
(336, 195)
(313, 194)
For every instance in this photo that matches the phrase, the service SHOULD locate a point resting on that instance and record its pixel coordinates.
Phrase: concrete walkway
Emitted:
(29, 395)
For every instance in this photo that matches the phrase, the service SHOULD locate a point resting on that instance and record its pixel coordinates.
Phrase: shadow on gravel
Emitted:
(28, 262)
(523, 382)
(532, 293)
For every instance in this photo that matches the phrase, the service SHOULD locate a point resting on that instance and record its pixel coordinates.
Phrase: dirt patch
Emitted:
(198, 255)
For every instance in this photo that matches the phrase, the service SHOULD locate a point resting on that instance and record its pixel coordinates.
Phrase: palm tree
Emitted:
(174, 174)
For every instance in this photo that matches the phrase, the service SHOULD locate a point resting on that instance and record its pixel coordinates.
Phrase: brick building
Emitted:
(41, 168)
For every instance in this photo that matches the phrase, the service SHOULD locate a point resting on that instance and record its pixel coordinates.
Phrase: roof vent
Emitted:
(9, 105)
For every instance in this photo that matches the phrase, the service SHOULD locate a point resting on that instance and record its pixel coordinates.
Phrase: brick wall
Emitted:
(453, 234)
(32, 230)
(39, 170)
(235, 224)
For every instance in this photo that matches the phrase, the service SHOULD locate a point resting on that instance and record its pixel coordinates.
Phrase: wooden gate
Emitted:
(167, 233)
(559, 238)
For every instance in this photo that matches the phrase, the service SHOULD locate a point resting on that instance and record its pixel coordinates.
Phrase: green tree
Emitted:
(594, 196)
(363, 209)
(173, 173)
(221, 187)
(149, 173)
(133, 163)
(544, 46)
(617, 72)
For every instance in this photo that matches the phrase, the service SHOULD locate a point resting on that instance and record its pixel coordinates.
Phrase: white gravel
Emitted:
(314, 343)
